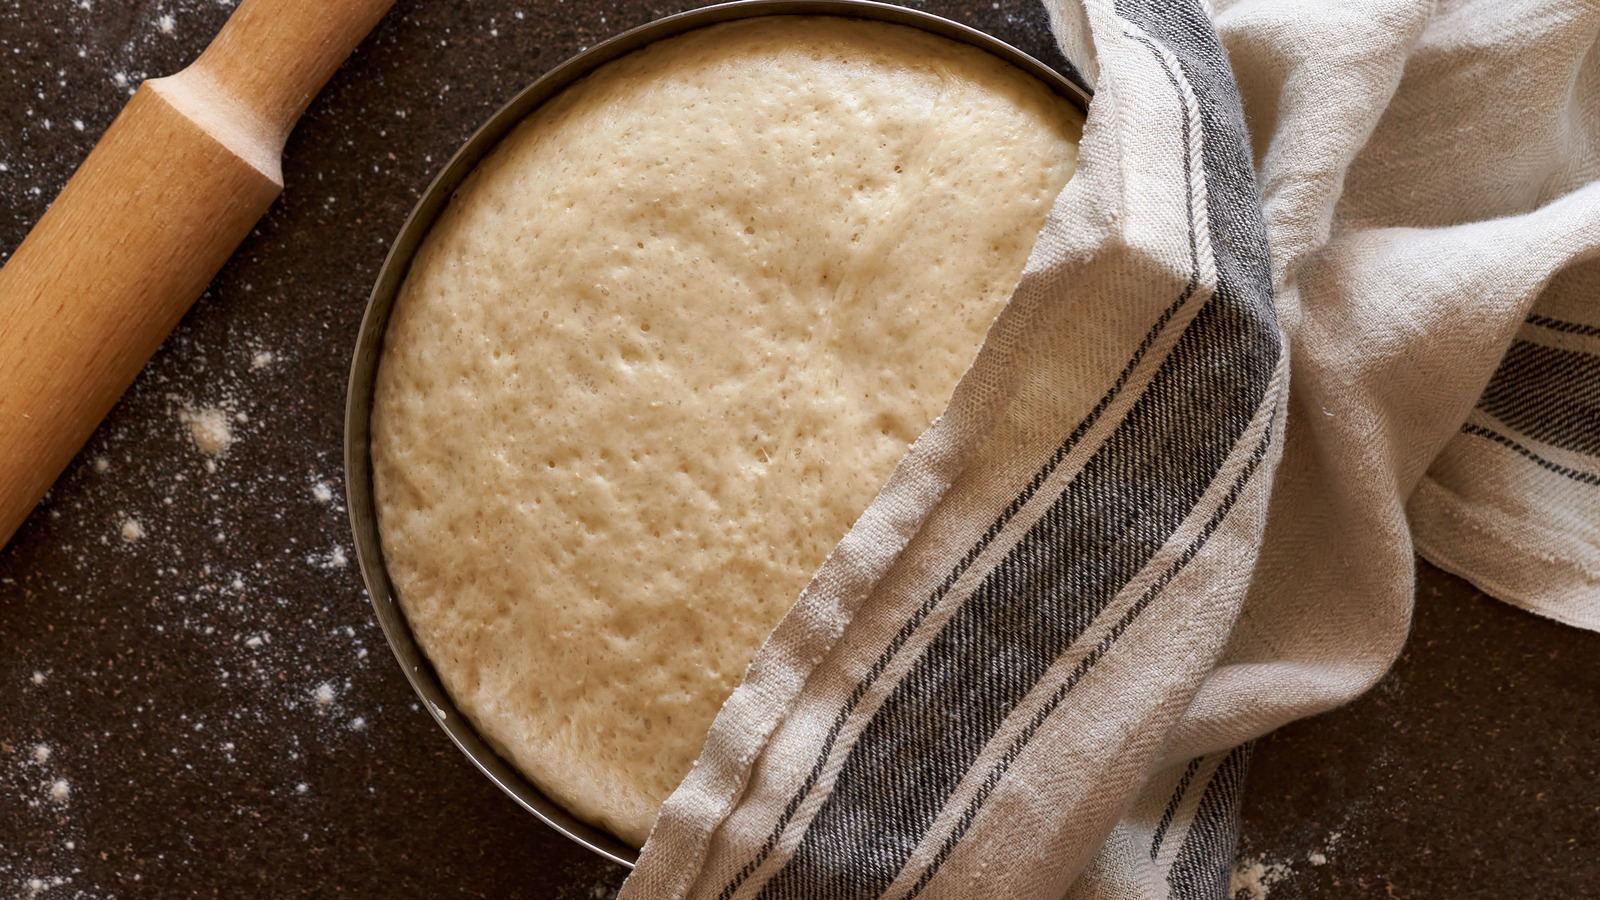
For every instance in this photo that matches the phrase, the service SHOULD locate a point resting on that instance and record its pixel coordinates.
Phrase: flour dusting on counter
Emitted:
(131, 531)
(1254, 877)
(209, 428)
(202, 669)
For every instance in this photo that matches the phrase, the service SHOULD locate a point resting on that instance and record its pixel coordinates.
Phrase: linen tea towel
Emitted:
(1166, 510)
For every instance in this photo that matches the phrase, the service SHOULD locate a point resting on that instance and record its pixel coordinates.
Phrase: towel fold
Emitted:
(1324, 292)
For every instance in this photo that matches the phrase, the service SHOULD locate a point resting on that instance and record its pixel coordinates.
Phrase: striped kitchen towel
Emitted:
(1325, 290)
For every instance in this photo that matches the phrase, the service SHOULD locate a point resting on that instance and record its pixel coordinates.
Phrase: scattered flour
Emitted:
(145, 512)
(324, 694)
(333, 559)
(209, 429)
(1254, 877)
(1317, 858)
(131, 530)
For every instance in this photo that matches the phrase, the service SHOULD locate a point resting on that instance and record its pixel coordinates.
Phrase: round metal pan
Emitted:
(369, 345)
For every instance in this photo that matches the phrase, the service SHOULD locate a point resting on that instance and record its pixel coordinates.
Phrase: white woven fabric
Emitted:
(1172, 505)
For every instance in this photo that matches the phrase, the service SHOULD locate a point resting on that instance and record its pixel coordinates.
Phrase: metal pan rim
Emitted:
(369, 344)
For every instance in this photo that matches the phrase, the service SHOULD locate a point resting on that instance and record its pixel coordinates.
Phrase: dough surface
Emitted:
(662, 349)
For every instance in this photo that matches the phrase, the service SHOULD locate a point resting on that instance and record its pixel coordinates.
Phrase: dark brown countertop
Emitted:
(210, 710)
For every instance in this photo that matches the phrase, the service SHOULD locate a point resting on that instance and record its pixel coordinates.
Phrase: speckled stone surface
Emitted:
(210, 710)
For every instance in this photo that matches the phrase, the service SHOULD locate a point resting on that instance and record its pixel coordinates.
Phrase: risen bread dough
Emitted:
(660, 352)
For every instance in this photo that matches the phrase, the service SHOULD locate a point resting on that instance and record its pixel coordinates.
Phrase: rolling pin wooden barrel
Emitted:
(168, 193)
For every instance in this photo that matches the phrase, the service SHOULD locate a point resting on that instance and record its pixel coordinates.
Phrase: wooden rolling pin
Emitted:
(175, 184)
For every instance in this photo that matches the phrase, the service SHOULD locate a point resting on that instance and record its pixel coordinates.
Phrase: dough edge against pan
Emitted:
(659, 353)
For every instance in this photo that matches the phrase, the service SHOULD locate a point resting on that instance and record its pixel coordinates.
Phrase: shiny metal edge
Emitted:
(369, 345)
